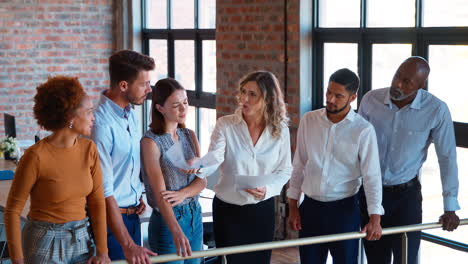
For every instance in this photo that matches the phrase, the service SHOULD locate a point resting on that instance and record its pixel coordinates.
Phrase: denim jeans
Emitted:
(132, 223)
(189, 217)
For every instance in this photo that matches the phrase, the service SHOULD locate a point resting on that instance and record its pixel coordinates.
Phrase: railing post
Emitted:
(404, 248)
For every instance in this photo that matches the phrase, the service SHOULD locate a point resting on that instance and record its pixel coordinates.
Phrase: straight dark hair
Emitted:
(162, 90)
(125, 65)
(347, 78)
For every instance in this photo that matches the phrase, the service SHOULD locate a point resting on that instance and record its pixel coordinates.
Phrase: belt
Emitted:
(129, 210)
(401, 187)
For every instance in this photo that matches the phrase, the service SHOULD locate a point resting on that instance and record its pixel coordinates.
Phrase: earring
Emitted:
(71, 125)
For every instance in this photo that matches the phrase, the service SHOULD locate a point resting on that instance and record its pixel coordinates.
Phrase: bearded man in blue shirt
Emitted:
(407, 119)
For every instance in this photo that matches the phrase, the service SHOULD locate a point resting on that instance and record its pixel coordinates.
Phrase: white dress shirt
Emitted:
(332, 160)
(236, 154)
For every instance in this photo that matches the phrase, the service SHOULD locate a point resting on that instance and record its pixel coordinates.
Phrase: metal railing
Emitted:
(300, 242)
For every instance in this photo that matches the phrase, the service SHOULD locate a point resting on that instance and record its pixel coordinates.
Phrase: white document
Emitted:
(176, 155)
(250, 182)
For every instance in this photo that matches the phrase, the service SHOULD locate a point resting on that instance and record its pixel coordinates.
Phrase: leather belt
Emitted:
(129, 210)
(401, 187)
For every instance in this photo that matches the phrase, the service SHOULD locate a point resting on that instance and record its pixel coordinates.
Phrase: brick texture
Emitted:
(252, 35)
(41, 38)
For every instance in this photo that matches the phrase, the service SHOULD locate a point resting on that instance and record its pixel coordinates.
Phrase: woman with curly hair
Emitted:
(254, 141)
(61, 174)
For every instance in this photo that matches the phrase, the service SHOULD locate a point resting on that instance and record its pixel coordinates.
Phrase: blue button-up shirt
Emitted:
(116, 135)
(405, 134)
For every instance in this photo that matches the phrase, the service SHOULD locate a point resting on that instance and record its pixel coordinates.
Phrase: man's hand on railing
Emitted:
(294, 218)
(449, 220)
(373, 228)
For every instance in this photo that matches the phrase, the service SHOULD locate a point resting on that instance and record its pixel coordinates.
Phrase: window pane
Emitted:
(448, 13)
(207, 124)
(207, 13)
(433, 253)
(148, 112)
(338, 56)
(185, 63)
(339, 13)
(183, 14)
(139, 116)
(433, 206)
(158, 51)
(191, 119)
(209, 66)
(447, 78)
(386, 58)
(395, 13)
(156, 13)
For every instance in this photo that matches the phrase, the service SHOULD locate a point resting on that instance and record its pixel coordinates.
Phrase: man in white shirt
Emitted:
(336, 153)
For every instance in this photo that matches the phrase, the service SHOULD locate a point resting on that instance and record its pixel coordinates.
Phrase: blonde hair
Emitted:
(274, 112)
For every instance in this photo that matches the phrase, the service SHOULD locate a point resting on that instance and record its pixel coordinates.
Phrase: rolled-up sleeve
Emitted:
(299, 162)
(445, 146)
(102, 136)
(217, 148)
(370, 169)
(282, 172)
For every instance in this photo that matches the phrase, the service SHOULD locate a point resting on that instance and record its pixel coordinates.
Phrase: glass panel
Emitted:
(207, 13)
(185, 63)
(433, 206)
(433, 253)
(339, 13)
(386, 58)
(191, 119)
(447, 78)
(209, 66)
(207, 124)
(338, 56)
(448, 13)
(148, 112)
(156, 13)
(139, 116)
(158, 51)
(395, 13)
(183, 14)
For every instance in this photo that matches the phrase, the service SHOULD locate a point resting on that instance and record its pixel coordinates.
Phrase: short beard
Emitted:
(133, 101)
(401, 96)
(339, 110)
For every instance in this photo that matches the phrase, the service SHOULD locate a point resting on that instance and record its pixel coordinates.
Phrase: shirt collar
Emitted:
(349, 116)
(416, 104)
(119, 111)
(238, 116)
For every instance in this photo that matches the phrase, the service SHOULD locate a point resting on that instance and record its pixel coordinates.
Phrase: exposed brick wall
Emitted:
(250, 35)
(40, 38)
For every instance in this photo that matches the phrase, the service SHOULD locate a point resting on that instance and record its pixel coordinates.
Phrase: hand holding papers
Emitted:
(176, 155)
(251, 182)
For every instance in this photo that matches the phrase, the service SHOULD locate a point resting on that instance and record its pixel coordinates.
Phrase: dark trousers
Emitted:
(401, 208)
(238, 225)
(326, 218)
(132, 222)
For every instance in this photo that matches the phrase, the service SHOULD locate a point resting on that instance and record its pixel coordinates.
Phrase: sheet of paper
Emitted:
(176, 155)
(249, 182)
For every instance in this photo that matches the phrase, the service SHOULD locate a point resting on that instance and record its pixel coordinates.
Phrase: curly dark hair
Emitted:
(56, 101)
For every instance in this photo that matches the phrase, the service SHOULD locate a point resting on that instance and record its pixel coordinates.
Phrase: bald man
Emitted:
(407, 119)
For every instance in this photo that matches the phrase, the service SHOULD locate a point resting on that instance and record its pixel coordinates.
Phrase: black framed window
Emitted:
(180, 36)
(373, 37)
